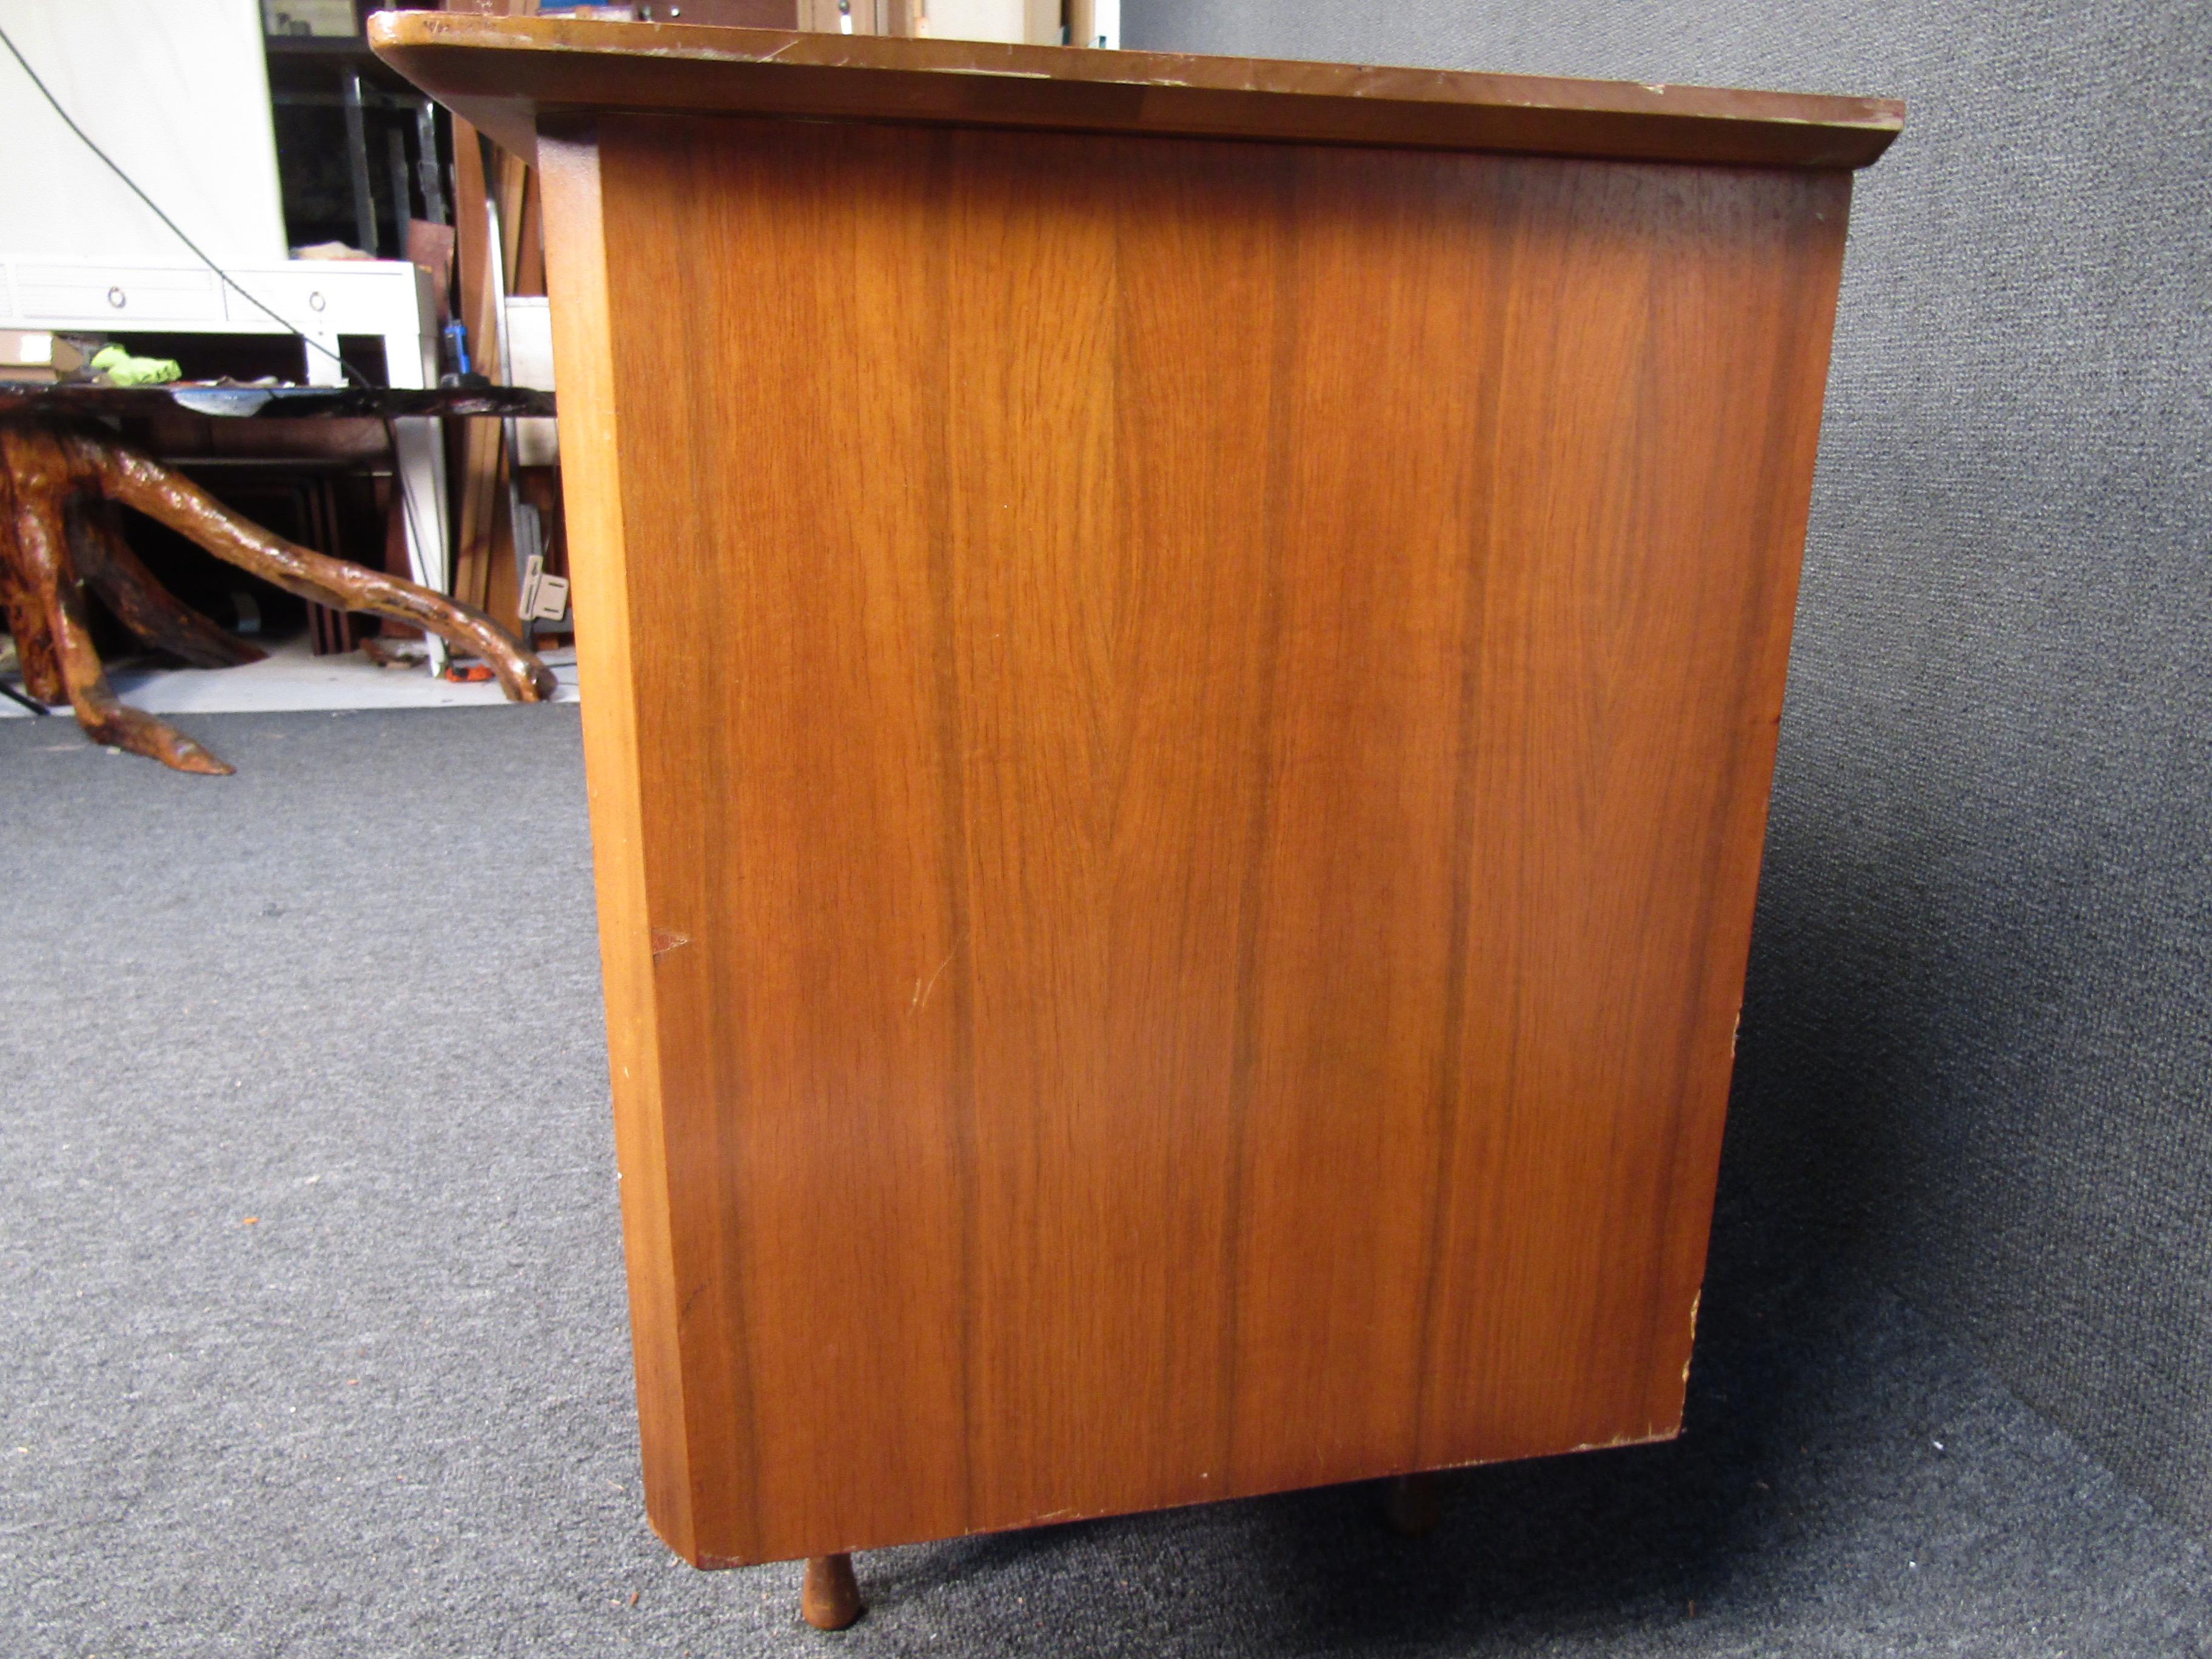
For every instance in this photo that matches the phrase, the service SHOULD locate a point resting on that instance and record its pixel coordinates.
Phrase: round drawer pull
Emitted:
(315, 301)
(116, 297)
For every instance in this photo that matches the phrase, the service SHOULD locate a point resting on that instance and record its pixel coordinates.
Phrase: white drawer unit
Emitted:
(117, 296)
(321, 299)
(324, 299)
(307, 302)
(328, 297)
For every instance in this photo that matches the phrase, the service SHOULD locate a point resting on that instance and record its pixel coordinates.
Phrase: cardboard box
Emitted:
(38, 356)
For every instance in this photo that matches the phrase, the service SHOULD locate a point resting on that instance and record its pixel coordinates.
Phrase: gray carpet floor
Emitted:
(314, 1339)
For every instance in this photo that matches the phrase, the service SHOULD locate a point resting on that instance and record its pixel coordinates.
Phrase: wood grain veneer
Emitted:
(506, 74)
(1179, 733)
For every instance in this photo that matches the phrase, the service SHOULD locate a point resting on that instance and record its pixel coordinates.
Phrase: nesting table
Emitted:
(1180, 666)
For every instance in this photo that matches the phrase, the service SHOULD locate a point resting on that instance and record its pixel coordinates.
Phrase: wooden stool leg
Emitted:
(1412, 1507)
(830, 1599)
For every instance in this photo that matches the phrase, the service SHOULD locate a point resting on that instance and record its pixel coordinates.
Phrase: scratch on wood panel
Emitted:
(922, 991)
(664, 941)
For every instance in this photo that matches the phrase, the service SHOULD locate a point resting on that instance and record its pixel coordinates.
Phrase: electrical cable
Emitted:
(392, 434)
(30, 703)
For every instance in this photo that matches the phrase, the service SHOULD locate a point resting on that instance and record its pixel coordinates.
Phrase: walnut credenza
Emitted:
(1180, 662)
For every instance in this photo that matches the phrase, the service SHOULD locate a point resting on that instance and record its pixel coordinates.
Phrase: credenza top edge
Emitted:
(504, 74)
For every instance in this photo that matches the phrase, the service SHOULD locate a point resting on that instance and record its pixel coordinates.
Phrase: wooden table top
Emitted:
(507, 75)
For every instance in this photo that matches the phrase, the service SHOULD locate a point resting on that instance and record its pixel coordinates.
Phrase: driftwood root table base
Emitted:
(60, 533)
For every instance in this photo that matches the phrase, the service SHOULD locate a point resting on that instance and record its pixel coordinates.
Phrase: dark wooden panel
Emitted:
(505, 75)
(1193, 730)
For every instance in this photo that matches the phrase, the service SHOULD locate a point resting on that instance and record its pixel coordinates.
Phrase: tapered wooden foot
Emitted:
(1413, 1506)
(830, 1599)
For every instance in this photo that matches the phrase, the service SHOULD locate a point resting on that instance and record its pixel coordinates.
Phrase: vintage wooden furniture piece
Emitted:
(1181, 668)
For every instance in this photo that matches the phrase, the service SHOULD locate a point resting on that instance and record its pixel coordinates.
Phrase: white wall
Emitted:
(1037, 21)
(978, 20)
(176, 92)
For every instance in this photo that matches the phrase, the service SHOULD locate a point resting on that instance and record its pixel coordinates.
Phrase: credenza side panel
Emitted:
(1202, 720)
(607, 650)
(1665, 349)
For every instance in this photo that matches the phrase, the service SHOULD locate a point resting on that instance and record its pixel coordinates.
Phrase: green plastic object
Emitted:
(121, 368)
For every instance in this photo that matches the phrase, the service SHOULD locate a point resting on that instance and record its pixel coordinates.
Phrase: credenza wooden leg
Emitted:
(830, 1599)
(1412, 1507)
